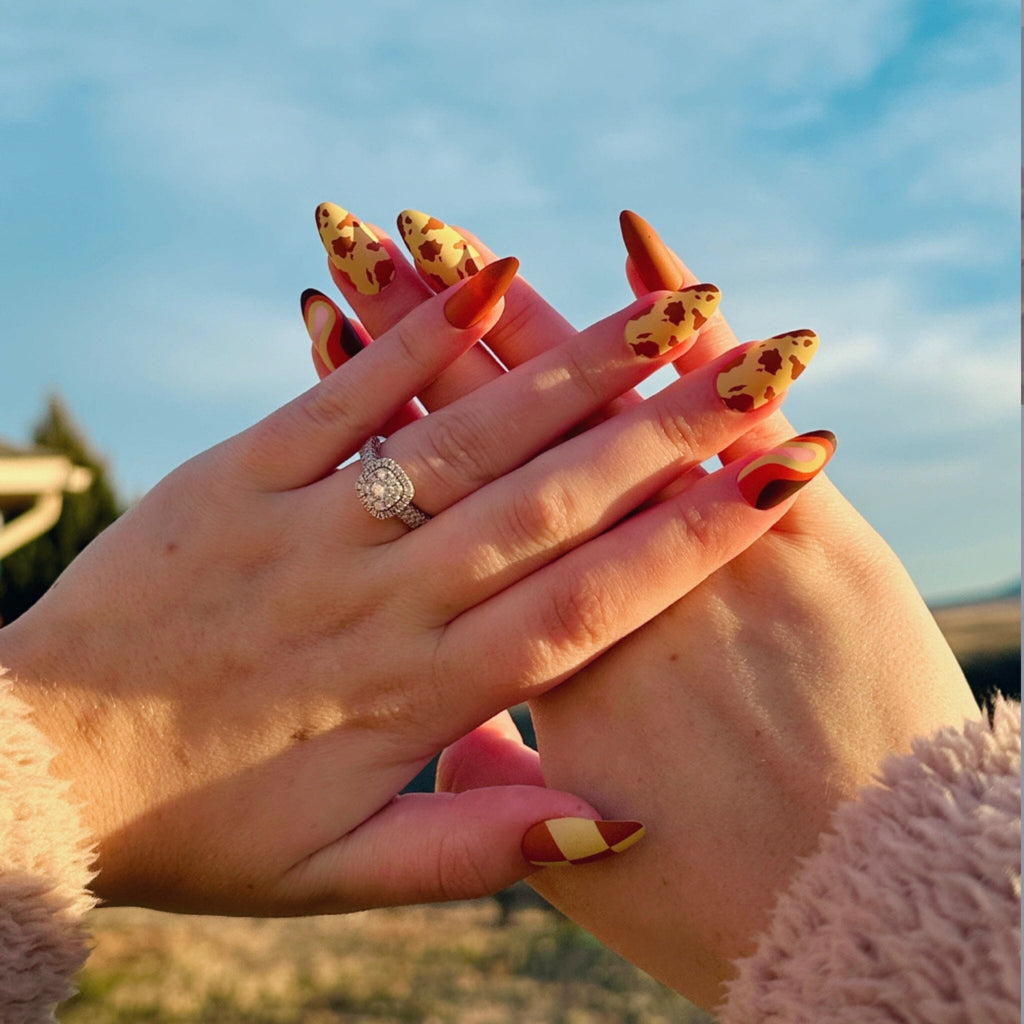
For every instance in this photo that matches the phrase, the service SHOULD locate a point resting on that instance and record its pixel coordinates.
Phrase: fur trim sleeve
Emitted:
(44, 871)
(909, 912)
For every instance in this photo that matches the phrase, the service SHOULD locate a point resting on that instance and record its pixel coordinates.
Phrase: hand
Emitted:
(243, 672)
(734, 722)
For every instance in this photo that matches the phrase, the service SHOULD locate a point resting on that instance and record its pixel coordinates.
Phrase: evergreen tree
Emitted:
(26, 574)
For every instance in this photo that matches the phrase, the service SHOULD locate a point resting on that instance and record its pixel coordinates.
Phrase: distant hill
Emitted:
(985, 636)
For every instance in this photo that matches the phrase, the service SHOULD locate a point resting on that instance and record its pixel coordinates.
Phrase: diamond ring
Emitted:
(384, 488)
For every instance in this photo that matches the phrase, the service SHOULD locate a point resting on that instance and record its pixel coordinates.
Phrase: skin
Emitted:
(734, 722)
(243, 672)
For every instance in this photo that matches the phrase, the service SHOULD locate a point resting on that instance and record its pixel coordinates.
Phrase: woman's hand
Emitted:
(244, 671)
(735, 721)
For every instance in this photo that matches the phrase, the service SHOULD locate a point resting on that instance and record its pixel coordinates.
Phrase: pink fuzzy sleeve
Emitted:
(909, 912)
(44, 871)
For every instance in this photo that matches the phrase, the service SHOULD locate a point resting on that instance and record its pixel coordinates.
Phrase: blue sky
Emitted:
(851, 167)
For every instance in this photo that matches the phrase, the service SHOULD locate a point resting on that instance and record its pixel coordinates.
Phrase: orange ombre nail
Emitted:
(477, 297)
(651, 257)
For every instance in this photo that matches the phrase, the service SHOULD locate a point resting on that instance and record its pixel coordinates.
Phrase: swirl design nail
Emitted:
(443, 255)
(671, 320)
(777, 475)
(354, 250)
(334, 338)
(765, 370)
(578, 840)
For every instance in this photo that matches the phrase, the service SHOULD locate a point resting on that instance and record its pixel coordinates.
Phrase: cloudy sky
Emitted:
(851, 167)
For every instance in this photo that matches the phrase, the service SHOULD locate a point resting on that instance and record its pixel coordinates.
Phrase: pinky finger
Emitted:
(567, 613)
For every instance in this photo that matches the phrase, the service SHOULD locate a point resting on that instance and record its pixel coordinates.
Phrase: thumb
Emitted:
(428, 847)
(493, 754)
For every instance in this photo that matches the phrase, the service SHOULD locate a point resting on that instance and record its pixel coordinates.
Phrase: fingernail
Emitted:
(777, 475)
(439, 251)
(764, 371)
(479, 294)
(671, 320)
(651, 257)
(354, 250)
(334, 338)
(578, 840)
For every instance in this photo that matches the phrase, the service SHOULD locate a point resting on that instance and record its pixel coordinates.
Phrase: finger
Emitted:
(381, 285)
(486, 434)
(306, 439)
(445, 254)
(567, 613)
(336, 338)
(651, 265)
(428, 847)
(493, 754)
(564, 496)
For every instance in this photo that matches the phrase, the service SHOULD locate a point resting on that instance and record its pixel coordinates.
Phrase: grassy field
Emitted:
(418, 965)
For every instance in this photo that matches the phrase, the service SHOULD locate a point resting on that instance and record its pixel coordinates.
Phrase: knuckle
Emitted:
(581, 377)
(541, 518)
(578, 616)
(699, 534)
(461, 872)
(679, 432)
(454, 452)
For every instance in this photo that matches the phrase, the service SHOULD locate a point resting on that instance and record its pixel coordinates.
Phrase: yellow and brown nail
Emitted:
(441, 253)
(671, 320)
(778, 474)
(354, 249)
(765, 370)
(578, 840)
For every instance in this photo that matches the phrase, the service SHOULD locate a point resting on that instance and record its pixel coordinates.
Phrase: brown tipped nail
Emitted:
(477, 297)
(651, 257)
(578, 840)
(778, 474)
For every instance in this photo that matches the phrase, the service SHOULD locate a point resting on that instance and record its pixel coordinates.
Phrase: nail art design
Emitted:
(439, 251)
(471, 303)
(578, 840)
(780, 473)
(334, 338)
(354, 250)
(651, 257)
(671, 320)
(765, 370)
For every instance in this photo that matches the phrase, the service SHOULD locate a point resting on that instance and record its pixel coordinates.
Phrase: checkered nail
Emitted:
(578, 840)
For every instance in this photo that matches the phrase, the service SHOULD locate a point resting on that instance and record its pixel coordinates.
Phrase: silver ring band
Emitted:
(384, 488)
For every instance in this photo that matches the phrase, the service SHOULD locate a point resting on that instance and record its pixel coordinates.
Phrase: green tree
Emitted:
(26, 574)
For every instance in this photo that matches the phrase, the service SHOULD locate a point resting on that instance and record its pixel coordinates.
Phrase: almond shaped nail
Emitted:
(334, 338)
(779, 474)
(652, 259)
(477, 297)
(443, 255)
(671, 320)
(578, 840)
(765, 370)
(354, 250)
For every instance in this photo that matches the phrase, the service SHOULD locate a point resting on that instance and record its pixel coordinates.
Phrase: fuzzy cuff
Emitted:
(909, 912)
(44, 872)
